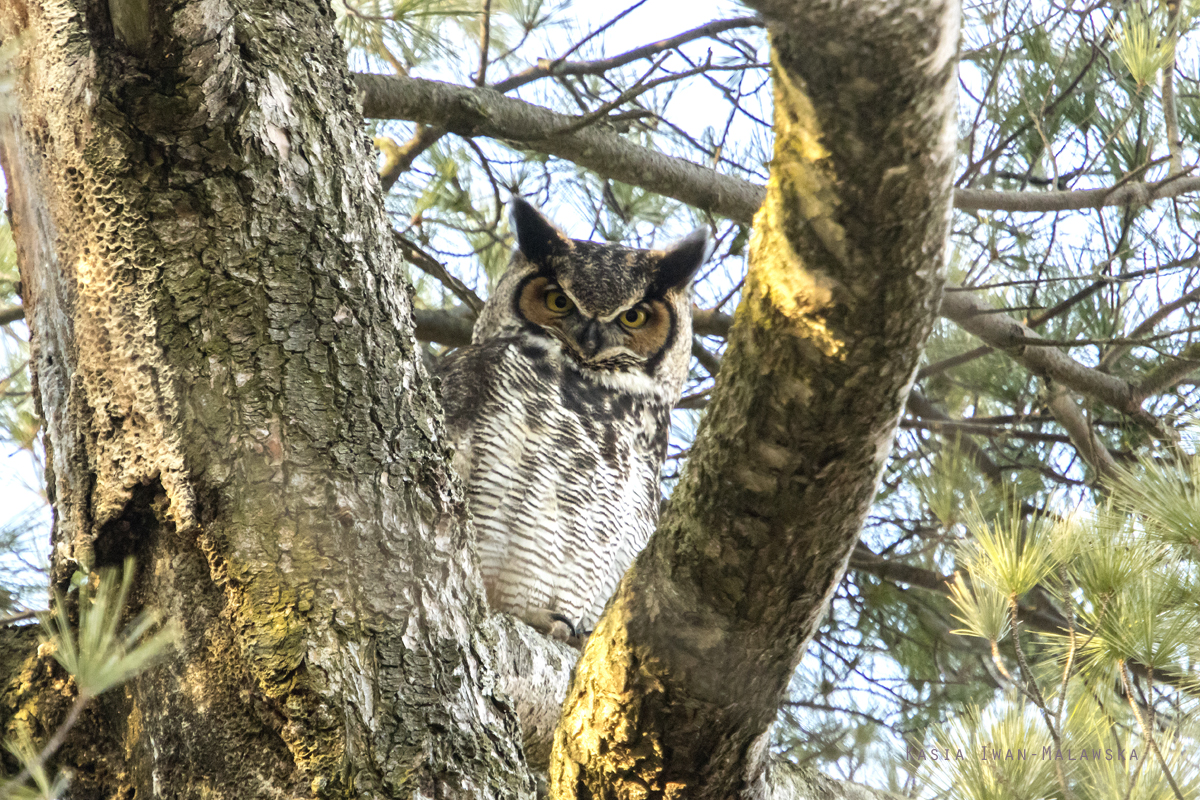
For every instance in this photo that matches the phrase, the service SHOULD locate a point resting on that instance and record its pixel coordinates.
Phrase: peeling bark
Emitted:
(679, 683)
(224, 360)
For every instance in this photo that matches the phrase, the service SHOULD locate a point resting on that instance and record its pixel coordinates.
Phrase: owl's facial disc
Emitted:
(628, 337)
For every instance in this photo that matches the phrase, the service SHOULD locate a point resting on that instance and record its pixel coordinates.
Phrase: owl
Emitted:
(559, 411)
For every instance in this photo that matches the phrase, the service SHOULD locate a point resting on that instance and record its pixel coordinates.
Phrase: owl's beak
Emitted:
(590, 339)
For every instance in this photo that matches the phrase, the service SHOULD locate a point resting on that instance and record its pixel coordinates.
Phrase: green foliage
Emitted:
(101, 652)
(45, 786)
(1165, 496)
(989, 754)
(403, 33)
(1140, 47)
(18, 423)
(1013, 554)
(1124, 587)
(22, 577)
(982, 608)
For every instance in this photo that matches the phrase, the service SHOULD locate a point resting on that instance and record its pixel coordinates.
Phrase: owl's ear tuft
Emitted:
(680, 261)
(537, 237)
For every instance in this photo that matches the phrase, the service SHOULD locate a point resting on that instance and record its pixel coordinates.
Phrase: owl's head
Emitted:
(612, 309)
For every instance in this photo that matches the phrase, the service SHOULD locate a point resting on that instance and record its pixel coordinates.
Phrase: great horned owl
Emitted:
(560, 413)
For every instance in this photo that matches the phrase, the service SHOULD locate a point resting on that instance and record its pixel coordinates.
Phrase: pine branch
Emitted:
(451, 327)
(1167, 375)
(1091, 448)
(434, 268)
(1136, 193)
(426, 136)
(709, 361)
(402, 160)
(920, 406)
(1145, 326)
(534, 671)
(767, 511)
(472, 112)
(1051, 313)
(1170, 109)
(1005, 333)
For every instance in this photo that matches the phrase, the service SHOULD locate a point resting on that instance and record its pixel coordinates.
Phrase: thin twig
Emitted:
(709, 361)
(1169, 110)
(21, 616)
(639, 87)
(598, 31)
(999, 662)
(1071, 645)
(1030, 688)
(556, 67)
(485, 39)
(431, 266)
(1148, 324)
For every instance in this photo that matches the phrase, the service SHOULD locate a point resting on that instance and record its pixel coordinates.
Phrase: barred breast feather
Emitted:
(562, 473)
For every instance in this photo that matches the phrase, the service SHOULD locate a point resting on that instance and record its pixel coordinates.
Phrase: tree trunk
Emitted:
(680, 682)
(223, 355)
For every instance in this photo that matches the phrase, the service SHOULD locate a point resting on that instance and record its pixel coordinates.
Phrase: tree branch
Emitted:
(1137, 193)
(1091, 448)
(11, 314)
(1005, 333)
(547, 67)
(1167, 375)
(1147, 325)
(474, 111)
(710, 323)
(436, 269)
(920, 406)
(534, 671)
(485, 112)
(425, 136)
(401, 160)
(451, 327)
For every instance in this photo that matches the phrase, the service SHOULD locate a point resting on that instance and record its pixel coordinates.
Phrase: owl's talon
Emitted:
(550, 623)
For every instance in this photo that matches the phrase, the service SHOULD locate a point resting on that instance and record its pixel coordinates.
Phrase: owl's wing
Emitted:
(467, 381)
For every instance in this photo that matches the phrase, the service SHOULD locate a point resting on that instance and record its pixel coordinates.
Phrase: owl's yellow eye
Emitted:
(558, 302)
(634, 318)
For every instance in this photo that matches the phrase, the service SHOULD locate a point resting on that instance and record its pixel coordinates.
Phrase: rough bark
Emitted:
(679, 683)
(224, 363)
